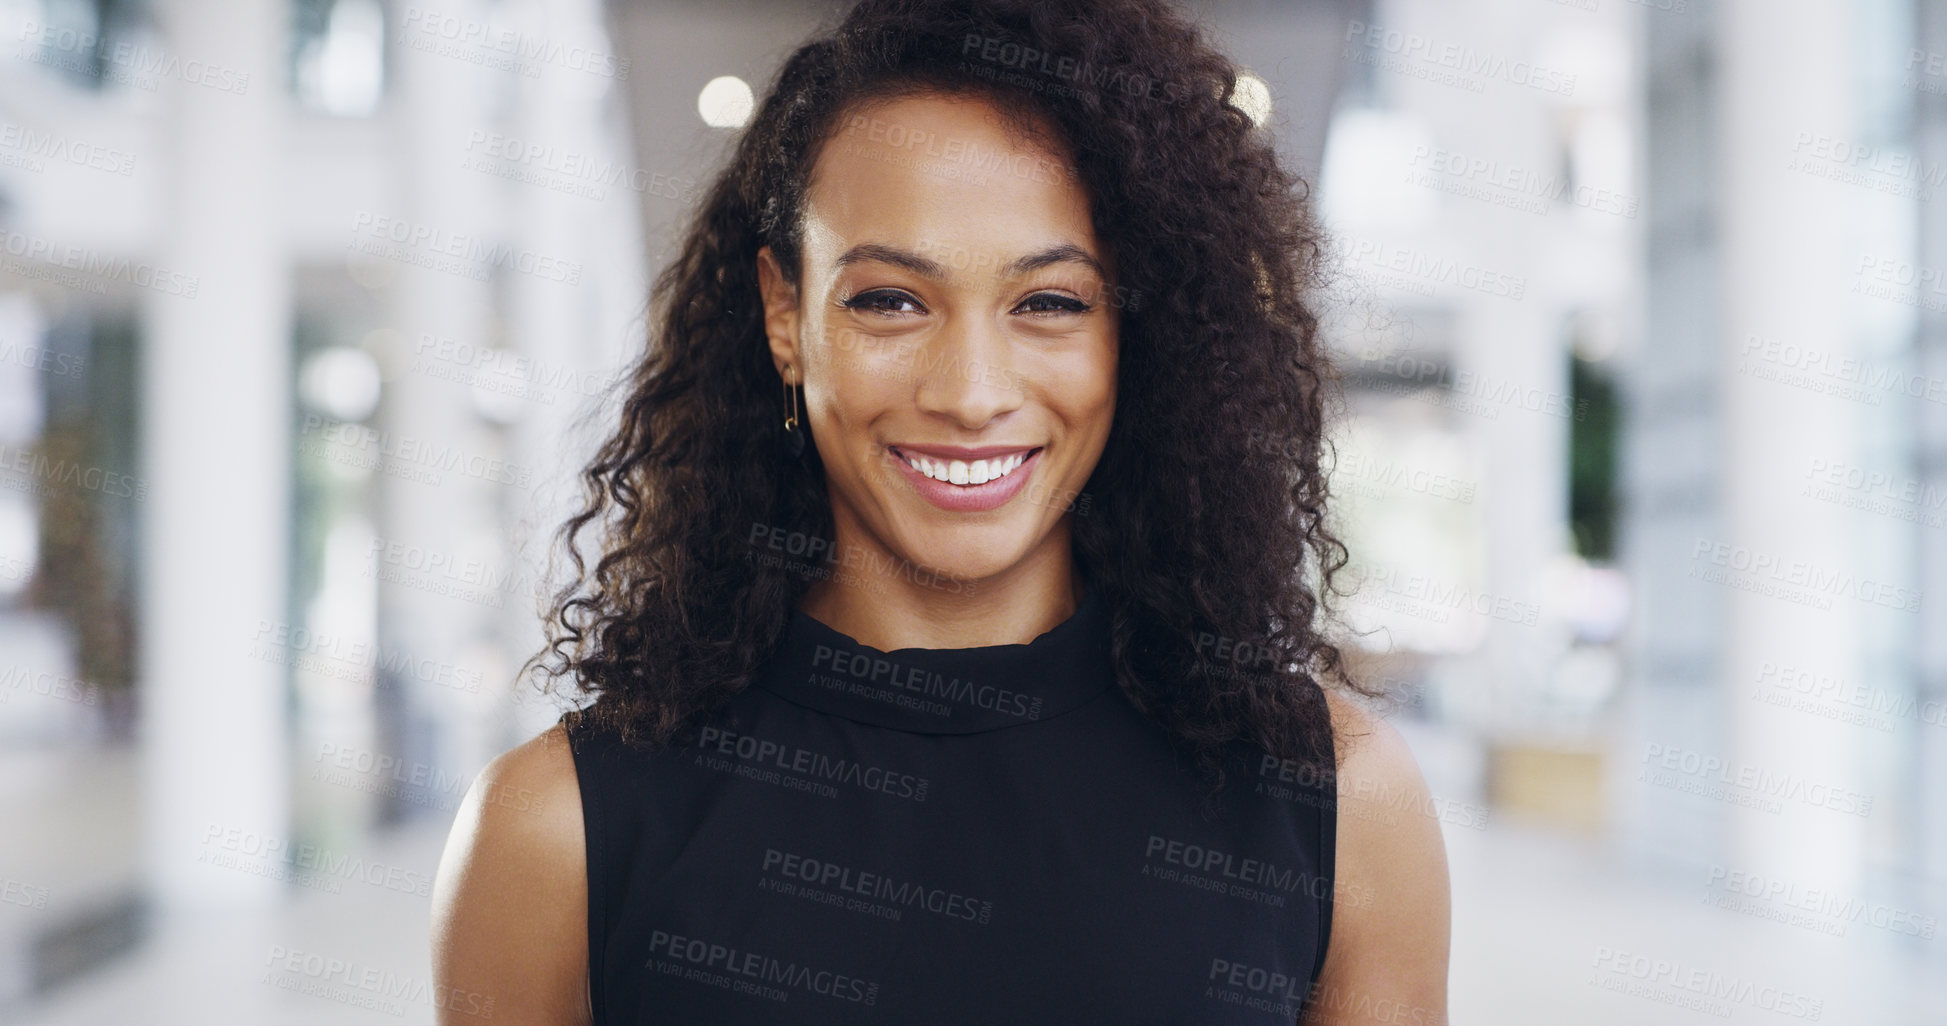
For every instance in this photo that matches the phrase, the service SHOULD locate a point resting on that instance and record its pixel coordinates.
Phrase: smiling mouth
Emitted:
(967, 473)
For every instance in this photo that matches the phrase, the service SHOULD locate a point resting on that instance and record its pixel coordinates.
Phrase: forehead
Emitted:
(947, 177)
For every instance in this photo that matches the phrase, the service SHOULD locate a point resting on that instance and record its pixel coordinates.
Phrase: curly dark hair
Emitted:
(1208, 524)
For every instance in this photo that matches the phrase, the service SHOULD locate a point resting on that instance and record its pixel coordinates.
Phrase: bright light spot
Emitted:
(499, 395)
(1423, 518)
(725, 102)
(1253, 97)
(1597, 335)
(1595, 599)
(1603, 157)
(343, 71)
(1364, 185)
(340, 382)
(345, 609)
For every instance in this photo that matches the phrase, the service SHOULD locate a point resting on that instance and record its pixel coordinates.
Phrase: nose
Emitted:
(966, 373)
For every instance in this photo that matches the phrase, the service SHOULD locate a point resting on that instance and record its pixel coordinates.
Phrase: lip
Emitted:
(961, 452)
(966, 498)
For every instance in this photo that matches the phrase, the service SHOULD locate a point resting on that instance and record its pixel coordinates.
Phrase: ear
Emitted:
(781, 315)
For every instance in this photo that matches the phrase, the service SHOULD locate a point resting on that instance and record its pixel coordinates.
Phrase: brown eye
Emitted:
(885, 301)
(1052, 302)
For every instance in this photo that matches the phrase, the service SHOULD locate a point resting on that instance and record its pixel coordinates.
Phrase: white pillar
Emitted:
(217, 460)
(1673, 463)
(440, 507)
(1785, 252)
(1524, 487)
(1929, 846)
(587, 207)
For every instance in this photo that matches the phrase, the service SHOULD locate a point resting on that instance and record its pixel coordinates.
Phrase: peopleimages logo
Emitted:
(35, 148)
(93, 270)
(1821, 909)
(1222, 872)
(1463, 65)
(123, 63)
(793, 868)
(1697, 988)
(1742, 783)
(466, 39)
(827, 555)
(1008, 54)
(767, 759)
(456, 253)
(707, 962)
(864, 670)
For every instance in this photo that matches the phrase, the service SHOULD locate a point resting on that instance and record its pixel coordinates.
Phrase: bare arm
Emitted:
(1391, 918)
(510, 901)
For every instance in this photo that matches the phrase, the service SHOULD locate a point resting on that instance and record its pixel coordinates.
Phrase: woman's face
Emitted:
(953, 311)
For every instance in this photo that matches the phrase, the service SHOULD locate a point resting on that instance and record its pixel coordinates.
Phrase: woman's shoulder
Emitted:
(1390, 928)
(510, 898)
(537, 775)
(1372, 755)
(523, 812)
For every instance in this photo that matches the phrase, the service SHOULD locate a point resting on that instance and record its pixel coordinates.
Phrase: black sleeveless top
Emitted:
(975, 835)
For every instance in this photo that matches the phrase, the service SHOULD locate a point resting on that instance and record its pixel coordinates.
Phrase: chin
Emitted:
(966, 552)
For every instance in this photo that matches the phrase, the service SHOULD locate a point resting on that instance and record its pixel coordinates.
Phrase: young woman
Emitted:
(955, 642)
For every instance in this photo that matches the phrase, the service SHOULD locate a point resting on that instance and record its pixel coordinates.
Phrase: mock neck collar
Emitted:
(944, 690)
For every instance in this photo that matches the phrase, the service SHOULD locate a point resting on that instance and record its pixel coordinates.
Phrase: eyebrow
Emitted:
(1055, 255)
(928, 269)
(934, 271)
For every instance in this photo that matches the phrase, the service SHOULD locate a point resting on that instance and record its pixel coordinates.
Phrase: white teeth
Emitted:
(965, 472)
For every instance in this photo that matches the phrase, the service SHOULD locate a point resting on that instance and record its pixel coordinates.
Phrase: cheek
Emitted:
(1084, 391)
(872, 370)
(858, 381)
(856, 357)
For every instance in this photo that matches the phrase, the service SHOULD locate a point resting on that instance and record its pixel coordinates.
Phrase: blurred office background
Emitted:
(307, 307)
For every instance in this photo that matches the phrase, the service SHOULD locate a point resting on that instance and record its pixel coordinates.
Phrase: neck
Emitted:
(934, 610)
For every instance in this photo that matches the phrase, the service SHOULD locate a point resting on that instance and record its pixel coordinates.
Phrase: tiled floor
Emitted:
(1551, 931)
(306, 964)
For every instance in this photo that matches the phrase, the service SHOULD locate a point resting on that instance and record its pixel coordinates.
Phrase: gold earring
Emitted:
(793, 437)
